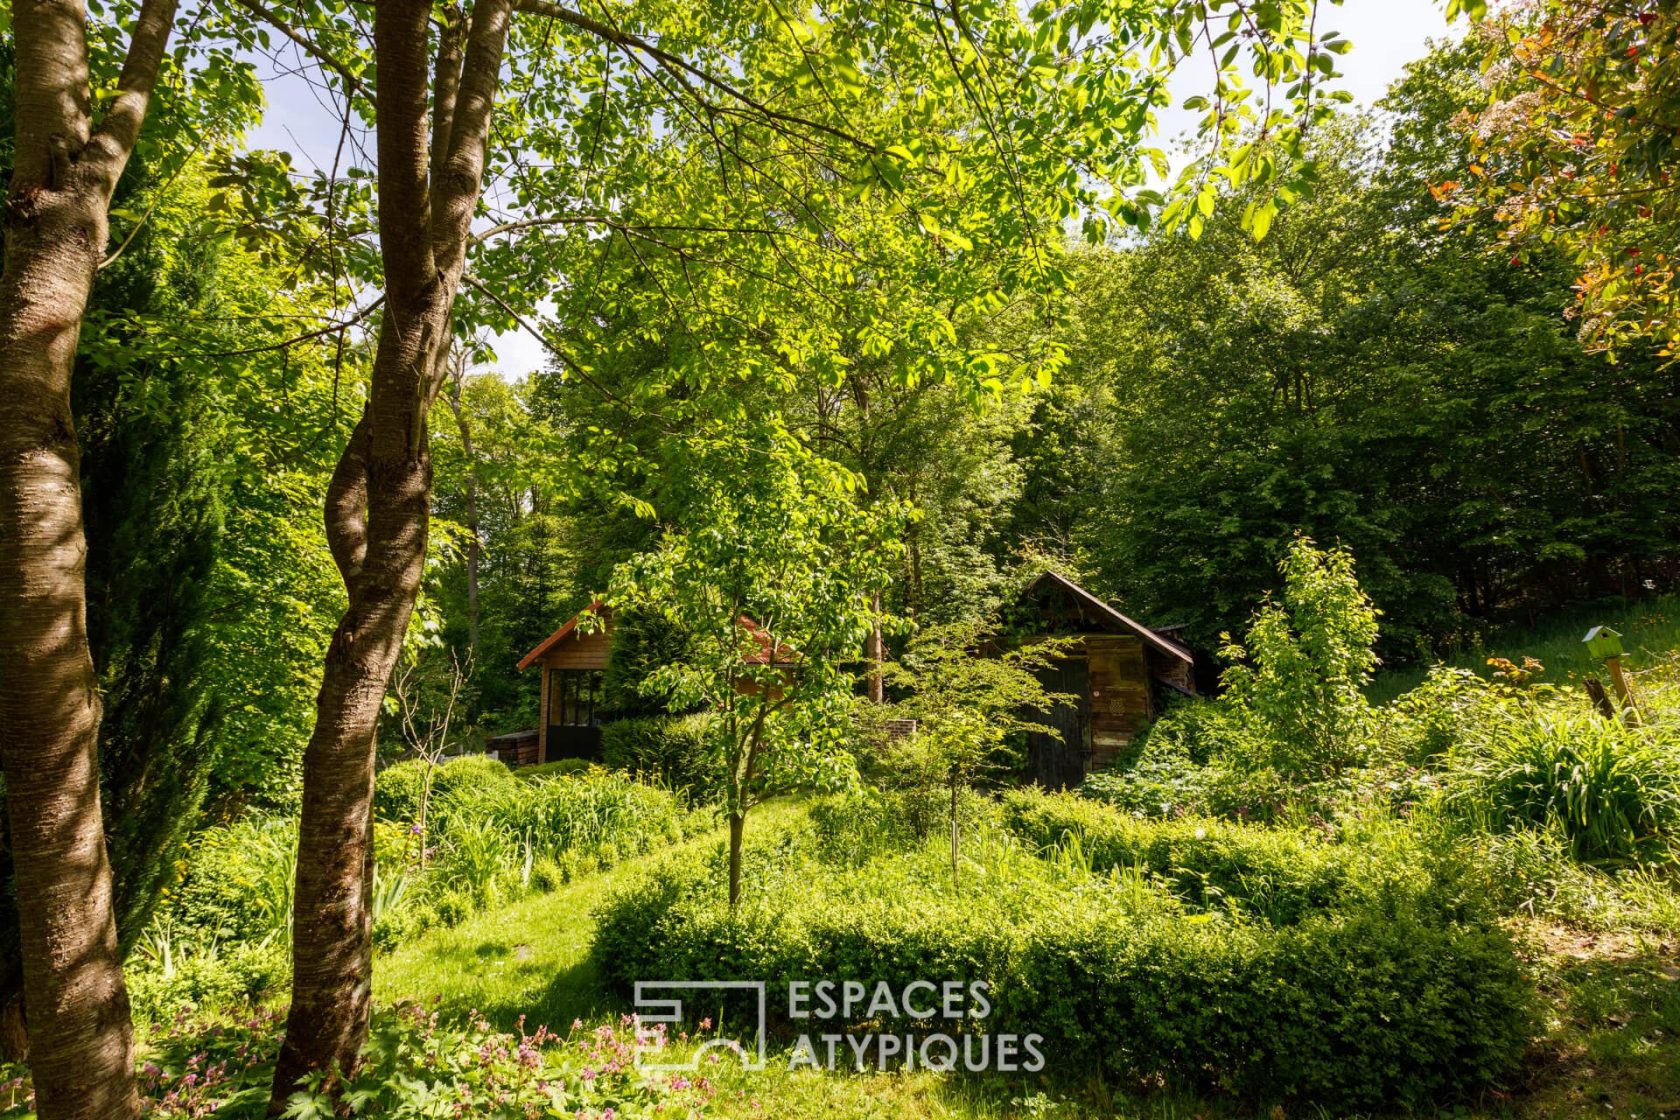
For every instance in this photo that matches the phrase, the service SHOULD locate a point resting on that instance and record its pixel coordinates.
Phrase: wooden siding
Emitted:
(579, 651)
(1121, 695)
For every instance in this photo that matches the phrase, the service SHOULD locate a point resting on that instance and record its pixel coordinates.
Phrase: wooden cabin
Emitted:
(1118, 670)
(573, 661)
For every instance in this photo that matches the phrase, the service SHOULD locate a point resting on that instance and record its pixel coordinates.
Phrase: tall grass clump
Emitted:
(1609, 790)
(594, 812)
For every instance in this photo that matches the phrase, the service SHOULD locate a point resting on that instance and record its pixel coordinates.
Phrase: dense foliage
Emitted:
(1364, 992)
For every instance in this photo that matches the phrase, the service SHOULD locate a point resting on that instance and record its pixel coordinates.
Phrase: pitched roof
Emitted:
(1111, 616)
(783, 654)
(548, 643)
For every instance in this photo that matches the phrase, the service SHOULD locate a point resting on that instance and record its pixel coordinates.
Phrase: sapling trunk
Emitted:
(954, 834)
(737, 830)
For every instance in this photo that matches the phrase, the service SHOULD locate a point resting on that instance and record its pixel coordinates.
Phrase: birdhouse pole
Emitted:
(1602, 641)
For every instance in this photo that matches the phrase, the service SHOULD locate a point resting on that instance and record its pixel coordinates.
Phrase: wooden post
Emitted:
(1624, 690)
(1600, 698)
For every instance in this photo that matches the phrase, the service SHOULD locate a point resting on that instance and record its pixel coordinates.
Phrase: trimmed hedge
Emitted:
(1367, 1003)
(1279, 874)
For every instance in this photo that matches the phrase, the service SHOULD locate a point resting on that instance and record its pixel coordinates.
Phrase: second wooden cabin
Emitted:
(1119, 672)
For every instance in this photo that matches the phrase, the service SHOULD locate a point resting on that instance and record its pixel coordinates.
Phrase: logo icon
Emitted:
(654, 1015)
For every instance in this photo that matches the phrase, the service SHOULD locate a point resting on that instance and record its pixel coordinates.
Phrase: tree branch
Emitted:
(401, 29)
(108, 150)
(625, 39)
(457, 189)
(310, 47)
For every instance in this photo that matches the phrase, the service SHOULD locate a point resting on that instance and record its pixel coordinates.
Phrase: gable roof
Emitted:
(764, 655)
(548, 643)
(1113, 618)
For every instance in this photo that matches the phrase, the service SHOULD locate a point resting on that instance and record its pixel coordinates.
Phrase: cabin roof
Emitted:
(781, 655)
(1111, 617)
(548, 643)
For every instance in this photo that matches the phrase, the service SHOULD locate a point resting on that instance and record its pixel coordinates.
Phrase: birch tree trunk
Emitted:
(56, 222)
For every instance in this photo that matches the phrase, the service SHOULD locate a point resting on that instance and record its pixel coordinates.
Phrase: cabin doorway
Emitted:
(574, 714)
(1061, 763)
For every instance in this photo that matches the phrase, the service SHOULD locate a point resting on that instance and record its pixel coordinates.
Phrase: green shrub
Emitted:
(1192, 730)
(1611, 791)
(1429, 721)
(397, 788)
(1355, 1010)
(1280, 874)
(674, 750)
(237, 883)
(1379, 1003)
(853, 827)
(592, 812)
(559, 768)
(1297, 680)
(205, 978)
(1171, 786)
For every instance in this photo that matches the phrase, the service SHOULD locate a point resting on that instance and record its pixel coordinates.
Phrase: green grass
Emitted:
(530, 958)
(1650, 630)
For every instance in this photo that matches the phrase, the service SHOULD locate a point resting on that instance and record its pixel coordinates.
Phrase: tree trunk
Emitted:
(431, 167)
(737, 832)
(55, 218)
(388, 466)
(79, 1034)
(474, 546)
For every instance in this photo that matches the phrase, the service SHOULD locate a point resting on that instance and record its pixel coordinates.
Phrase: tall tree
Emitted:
(1576, 148)
(66, 166)
(432, 139)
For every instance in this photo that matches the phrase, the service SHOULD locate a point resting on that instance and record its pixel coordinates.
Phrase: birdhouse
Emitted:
(1603, 642)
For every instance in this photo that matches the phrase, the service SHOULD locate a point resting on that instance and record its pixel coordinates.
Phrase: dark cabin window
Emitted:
(574, 697)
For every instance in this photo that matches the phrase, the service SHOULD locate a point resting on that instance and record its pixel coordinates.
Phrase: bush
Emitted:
(397, 788)
(1191, 730)
(677, 751)
(205, 977)
(1356, 1010)
(850, 828)
(1283, 875)
(1377, 1003)
(237, 882)
(559, 768)
(1426, 723)
(1611, 791)
(1297, 680)
(513, 837)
